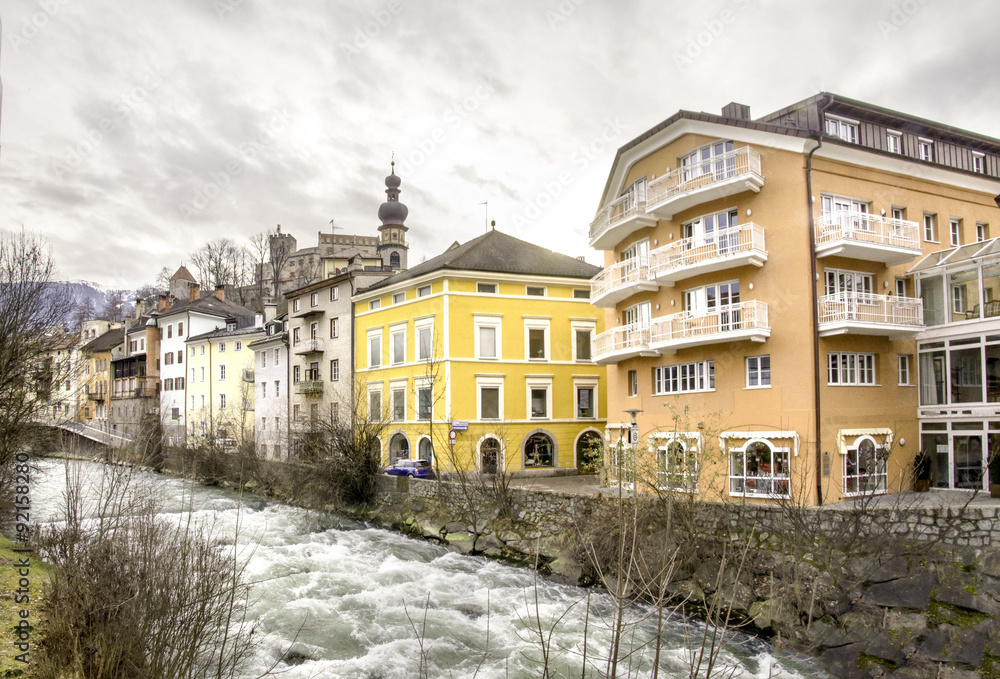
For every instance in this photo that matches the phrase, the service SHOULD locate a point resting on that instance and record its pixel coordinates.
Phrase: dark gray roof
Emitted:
(498, 252)
(222, 332)
(211, 306)
(105, 342)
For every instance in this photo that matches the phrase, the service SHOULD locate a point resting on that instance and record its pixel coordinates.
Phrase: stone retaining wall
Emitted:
(930, 608)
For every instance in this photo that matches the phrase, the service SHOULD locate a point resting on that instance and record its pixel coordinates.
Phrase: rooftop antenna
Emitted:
(486, 217)
(334, 227)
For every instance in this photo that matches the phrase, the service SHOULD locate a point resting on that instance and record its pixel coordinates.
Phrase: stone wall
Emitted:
(893, 592)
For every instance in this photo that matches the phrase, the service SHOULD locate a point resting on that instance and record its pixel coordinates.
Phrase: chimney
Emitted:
(194, 292)
(162, 303)
(140, 307)
(270, 312)
(737, 111)
(220, 293)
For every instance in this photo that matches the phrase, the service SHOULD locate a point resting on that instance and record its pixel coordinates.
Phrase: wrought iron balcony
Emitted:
(874, 238)
(309, 388)
(308, 346)
(860, 313)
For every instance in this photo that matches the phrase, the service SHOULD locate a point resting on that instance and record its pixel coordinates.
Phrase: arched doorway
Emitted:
(589, 452)
(490, 457)
(539, 451)
(399, 448)
(425, 450)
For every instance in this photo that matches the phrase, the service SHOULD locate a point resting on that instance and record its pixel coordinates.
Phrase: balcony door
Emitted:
(718, 229)
(846, 212)
(635, 195)
(637, 316)
(635, 256)
(711, 159)
(849, 288)
(720, 298)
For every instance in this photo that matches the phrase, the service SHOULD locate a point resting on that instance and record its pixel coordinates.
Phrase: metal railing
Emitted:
(863, 227)
(632, 270)
(248, 374)
(307, 346)
(863, 307)
(633, 336)
(749, 315)
(722, 243)
(742, 161)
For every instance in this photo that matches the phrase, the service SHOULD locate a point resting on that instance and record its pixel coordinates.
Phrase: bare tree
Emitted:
(217, 262)
(258, 252)
(280, 248)
(116, 305)
(84, 311)
(311, 270)
(162, 281)
(30, 307)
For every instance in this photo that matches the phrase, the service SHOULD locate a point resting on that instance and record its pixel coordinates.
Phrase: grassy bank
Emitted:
(9, 667)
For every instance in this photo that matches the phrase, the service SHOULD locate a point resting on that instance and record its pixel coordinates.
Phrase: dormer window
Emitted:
(230, 326)
(844, 128)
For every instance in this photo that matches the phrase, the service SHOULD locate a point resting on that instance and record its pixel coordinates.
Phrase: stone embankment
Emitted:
(872, 592)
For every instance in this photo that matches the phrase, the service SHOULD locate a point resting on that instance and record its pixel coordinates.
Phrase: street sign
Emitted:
(460, 425)
(452, 435)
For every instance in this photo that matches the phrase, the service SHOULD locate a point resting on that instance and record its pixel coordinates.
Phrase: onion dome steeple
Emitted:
(392, 234)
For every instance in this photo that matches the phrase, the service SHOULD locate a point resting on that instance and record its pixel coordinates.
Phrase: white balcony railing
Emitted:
(730, 172)
(723, 245)
(731, 323)
(866, 236)
(743, 320)
(308, 346)
(867, 314)
(736, 163)
(621, 280)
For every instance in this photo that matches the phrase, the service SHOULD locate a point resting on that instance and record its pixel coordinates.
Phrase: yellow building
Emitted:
(96, 380)
(762, 322)
(487, 345)
(220, 387)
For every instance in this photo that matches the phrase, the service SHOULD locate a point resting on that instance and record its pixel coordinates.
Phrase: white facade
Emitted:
(271, 385)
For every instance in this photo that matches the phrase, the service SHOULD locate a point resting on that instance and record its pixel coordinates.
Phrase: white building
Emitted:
(271, 384)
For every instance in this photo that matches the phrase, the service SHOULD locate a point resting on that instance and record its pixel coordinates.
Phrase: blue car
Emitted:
(415, 469)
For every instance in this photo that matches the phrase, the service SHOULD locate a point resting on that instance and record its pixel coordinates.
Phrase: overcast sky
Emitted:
(133, 132)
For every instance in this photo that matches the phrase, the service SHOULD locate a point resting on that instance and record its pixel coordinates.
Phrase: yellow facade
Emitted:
(220, 388)
(849, 353)
(96, 385)
(438, 352)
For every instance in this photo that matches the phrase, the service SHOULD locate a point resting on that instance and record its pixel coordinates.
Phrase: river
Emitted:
(339, 593)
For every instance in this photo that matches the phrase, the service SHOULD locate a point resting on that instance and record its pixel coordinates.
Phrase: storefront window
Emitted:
(967, 375)
(538, 451)
(932, 378)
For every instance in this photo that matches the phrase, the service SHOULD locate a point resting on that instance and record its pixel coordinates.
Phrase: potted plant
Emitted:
(994, 471)
(922, 472)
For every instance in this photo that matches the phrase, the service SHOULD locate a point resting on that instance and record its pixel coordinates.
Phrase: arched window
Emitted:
(865, 467)
(759, 469)
(426, 450)
(589, 452)
(539, 451)
(677, 465)
(490, 456)
(399, 448)
(394, 260)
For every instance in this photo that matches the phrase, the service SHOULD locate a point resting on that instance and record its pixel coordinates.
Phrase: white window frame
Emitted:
(686, 480)
(494, 321)
(930, 228)
(335, 327)
(754, 366)
(978, 163)
(399, 297)
(222, 347)
(982, 232)
(424, 291)
(540, 291)
(531, 384)
(900, 287)
(768, 482)
(222, 400)
(893, 141)
(222, 372)
(582, 326)
(277, 357)
(581, 293)
(543, 324)
(335, 370)
(881, 475)
(489, 382)
(677, 378)
(585, 383)
(858, 364)
(314, 299)
(843, 128)
(632, 383)
(425, 383)
(397, 334)
(334, 293)
(373, 389)
(955, 231)
(925, 149)
(425, 325)
(397, 388)
(374, 304)
(374, 361)
(483, 288)
(904, 365)
(706, 159)
(296, 305)
(263, 358)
